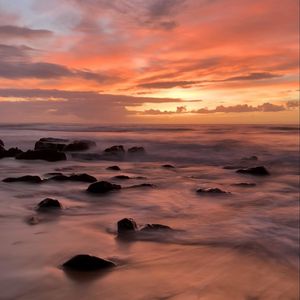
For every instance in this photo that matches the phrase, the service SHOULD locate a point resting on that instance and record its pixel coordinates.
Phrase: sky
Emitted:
(149, 61)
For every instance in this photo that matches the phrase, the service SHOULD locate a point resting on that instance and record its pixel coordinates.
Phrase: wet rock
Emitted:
(26, 178)
(86, 263)
(214, 191)
(142, 185)
(11, 152)
(101, 187)
(136, 150)
(54, 144)
(74, 177)
(80, 145)
(126, 225)
(1, 143)
(49, 203)
(121, 177)
(115, 150)
(48, 155)
(155, 227)
(33, 220)
(113, 168)
(54, 174)
(245, 184)
(167, 166)
(256, 171)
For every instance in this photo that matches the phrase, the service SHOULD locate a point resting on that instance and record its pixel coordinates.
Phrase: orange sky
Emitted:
(173, 61)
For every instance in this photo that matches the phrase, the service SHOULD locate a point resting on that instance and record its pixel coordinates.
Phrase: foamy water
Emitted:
(244, 245)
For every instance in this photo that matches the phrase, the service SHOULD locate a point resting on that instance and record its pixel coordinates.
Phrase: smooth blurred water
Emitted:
(240, 246)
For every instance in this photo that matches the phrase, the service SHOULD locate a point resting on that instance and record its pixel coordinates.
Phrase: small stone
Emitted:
(49, 203)
(126, 225)
(101, 187)
(113, 168)
(256, 171)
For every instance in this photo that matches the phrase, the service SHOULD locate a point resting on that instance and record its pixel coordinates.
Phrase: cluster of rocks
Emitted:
(11, 152)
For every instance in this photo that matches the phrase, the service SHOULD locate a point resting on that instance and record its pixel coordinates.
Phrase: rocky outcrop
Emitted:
(256, 171)
(115, 150)
(26, 178)
(74, 177)
(87, 263)
(102, 187)
(80, 145)
(53, 144)
(136, 150)
(48, 155)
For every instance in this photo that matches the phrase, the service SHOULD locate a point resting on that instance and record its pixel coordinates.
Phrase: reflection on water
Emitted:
(241, 246)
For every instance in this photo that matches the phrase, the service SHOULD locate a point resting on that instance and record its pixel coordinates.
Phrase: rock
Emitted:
(142, 185)
(115, 150)
(113, 168)
(102, 187)
(74, 177)
(245, 184)
(53, 174)
(54, 144)
(53, 140)
(250, 158)
(1, 143)
(80, 145)
(155, 227)
(33, 220)
(126, 225)
(86, 263)
(49, 203)
(167, 166)
(48, 155)
(11, 152)
(121, 177)
(257, 171)
(212, 191)
(136, 150)
(26, 178)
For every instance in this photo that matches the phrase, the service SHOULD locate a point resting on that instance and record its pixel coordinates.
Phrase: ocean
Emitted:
(240, 245)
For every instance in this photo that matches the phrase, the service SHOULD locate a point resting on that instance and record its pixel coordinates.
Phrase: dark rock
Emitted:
(155, 227)
(257, 171)
(142, 185)
(1, 143)
(86, 263)
(113, 168)
(118, 149)
(26, 178)
(80, 145)
(48, 155)
(54, 174)
(33, 220)
(168, 166)
(136, 150)
(49, 203)
(74, 177)
(212, 191)
(126, 225)
(245, 184)
(121, 177)
(13, 152)
(54, 144)
(102, 187)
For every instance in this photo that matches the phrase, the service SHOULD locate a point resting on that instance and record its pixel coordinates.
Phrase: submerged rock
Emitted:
(212, 191)
(115, 150)
(142, 185)
(74, 177)
(155, 227)
(257, 171)
(86, 263)
(245, 184)
(26, 178)
(33, 220)
(80, 145)
(136, 150)
(54, 144)
(113, 168)
(48, 155)
(102, 187)
(167, 166)
(126, 225)
(121, 177)
(49, 203)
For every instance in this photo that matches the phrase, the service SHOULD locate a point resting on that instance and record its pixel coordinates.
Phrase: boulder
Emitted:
(54, 144)
(113, 168)
(49, 203)
(121, 177)
(256, 171)
(80, 145)
(87, 263)
(155, 227)
(126, 225)
(136, 150)
(11, 152)
(115, 150)
(213, 191)
(74, 177)
(26, 178)
(48, 155)
(167, 166)
(101, 187)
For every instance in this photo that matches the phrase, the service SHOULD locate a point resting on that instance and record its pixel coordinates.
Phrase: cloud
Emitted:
(167, 84)
(12, 31)
(292, 104)
(253, 76)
